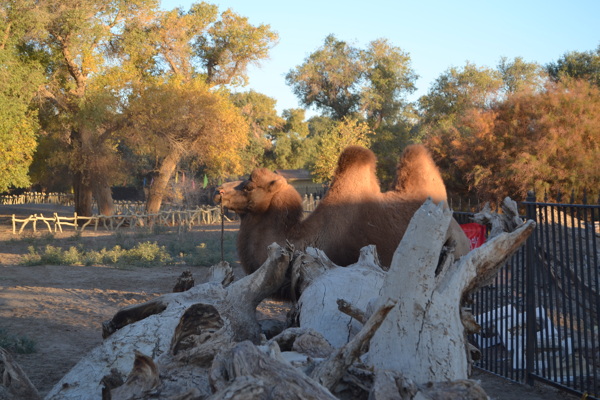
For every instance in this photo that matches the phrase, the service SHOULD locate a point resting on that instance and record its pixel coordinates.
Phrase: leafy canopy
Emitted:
(188, 119)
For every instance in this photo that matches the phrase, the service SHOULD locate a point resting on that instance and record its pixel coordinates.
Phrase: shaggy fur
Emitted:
(353, 214)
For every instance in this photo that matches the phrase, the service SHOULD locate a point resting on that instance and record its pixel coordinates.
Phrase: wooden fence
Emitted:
(38, 198)
(204, 215)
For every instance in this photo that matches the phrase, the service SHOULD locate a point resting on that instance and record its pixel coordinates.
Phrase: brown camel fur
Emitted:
(353, 214)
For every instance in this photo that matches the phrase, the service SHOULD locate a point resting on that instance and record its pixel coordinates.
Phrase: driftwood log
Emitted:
(14, 384)
(423, 338)
(364, 332)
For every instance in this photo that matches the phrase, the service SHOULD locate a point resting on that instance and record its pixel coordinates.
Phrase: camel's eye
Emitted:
(249, 187)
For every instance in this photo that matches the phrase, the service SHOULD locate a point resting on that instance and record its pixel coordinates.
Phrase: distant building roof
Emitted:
(294, 174)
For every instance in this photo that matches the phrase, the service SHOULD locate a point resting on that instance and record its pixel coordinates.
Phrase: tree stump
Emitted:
(388, 334)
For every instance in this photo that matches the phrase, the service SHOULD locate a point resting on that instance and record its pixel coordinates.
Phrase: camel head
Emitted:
(255, 195)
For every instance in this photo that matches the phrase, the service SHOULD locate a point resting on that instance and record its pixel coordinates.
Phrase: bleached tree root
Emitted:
(191, 326)
(206, 342)
(14, 384)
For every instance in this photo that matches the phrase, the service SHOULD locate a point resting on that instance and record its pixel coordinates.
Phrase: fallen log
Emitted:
(171, 327)
(423, 338)
(384, 334)
(14, 384)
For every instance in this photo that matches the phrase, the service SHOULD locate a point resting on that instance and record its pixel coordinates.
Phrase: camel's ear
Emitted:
(276, 185)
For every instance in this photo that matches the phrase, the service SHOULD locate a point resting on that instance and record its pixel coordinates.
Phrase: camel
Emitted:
(354, 213)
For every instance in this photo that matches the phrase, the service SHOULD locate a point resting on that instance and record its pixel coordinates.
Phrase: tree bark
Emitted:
(187, 328)
(201, 343)
(83, 195)
(103, 195)
(159, 186)
(423, 337)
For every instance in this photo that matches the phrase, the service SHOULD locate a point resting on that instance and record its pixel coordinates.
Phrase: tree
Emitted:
(94, 54)
(457, 90)
(19, 78)
(579, 65)
(344, 133)
(453, 93)
(180, 48)
(261, 116)
(329, 78)
(543, 141)
(342, 80)
(389, 78)
(81, 98)
(179, 119)
(292, 149)
(520, 75)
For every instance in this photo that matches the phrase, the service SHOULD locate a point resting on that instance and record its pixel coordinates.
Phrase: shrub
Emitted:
(21, 345)
(145, 253)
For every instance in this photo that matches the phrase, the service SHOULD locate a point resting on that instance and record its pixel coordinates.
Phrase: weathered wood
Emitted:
(143, 378)
(204, 339)
(351, 311)
(157, 329)
(283, 380)
(329, 372)
(318, 302)
(508, 221)
(423, 337)
(304, 341)
(15, 384)
(184, 282)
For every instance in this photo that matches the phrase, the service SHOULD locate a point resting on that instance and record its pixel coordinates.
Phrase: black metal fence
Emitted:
(540, 318)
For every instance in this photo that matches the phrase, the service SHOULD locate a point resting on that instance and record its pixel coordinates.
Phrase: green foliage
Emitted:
(347, 132)
(145, 254)
(19, 78)
(292, 148)
(263, 122)
(341, 80)
(577, 65)
(519, 75)
(390, 79)
(17, 344)
(127, 250)
(457, 90)
(142, 254)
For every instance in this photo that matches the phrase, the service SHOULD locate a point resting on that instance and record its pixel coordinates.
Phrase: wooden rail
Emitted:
(200, 216)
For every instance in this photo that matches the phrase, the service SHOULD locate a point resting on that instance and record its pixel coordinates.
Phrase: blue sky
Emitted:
(436, 34)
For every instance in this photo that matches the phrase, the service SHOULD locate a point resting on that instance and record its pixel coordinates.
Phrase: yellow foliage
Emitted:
(188, 119)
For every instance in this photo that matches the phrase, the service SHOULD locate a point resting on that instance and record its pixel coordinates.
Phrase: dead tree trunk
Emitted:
(201, 343)
(189, 327)
(423, 338)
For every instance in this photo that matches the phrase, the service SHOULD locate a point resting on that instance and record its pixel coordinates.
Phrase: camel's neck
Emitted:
(257, 232)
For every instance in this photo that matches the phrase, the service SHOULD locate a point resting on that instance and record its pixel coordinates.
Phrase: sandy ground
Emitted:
(61, 308)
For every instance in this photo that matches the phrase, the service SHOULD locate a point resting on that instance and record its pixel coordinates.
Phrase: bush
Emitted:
(53, 256)
(20, 345)
(145, 253)
(142, 254)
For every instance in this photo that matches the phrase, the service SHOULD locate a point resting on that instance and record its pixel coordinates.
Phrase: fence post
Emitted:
(530, 268)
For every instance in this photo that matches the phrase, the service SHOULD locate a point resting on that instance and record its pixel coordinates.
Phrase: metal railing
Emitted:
(540, 318)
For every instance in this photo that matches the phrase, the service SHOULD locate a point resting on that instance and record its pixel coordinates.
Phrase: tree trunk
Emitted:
(187, 328)
(159, 187)
(423, 337)
(196, 343)
(103, 195)
(83, 195)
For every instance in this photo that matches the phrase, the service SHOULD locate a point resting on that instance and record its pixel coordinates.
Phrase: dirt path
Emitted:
(61, 308)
